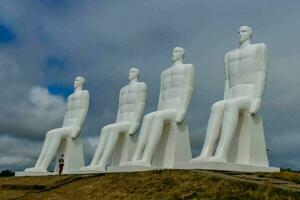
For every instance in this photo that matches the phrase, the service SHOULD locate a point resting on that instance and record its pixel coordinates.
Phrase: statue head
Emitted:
(133, 73)
(244, 33)
(79, 81)
(178, 54)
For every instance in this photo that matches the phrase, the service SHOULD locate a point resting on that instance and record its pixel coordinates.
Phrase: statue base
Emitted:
(23, 173)
(88, 172)
(73, 155)
(174, 146)
(123, 150)
(221, 166)
(129, 169)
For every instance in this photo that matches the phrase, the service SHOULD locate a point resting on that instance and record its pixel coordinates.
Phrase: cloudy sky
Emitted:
(44, 44)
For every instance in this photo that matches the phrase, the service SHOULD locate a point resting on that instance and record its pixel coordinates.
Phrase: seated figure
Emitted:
(245, 79)
(77, 107)
(132, 101)
(176, 89)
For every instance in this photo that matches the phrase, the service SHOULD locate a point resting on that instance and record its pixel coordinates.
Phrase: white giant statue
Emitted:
(176, 89)
(77, 107)
(132, 101)
(245, 80)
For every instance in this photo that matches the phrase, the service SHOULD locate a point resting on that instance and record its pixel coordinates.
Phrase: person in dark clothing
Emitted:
(61, 162)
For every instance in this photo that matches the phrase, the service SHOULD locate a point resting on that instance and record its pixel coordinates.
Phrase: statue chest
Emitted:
(242, 66)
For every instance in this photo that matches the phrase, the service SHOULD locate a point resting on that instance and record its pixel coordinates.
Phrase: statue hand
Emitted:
(255, 106)
(133, 128)
(180, 117)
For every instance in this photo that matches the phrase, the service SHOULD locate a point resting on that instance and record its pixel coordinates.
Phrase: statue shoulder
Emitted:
(260, 47)
(85, 93)
(189, 66)
(234, 51)
(142, 86)
(124, 88)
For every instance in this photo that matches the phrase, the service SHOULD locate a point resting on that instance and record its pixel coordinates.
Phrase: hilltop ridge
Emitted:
(161, 184)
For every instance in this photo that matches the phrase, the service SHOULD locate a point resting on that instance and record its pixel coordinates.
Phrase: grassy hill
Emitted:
(163, 184)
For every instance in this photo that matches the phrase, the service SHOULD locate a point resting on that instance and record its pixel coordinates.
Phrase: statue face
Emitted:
(177, 53)
(133, 73)
(78, 81)
(244, 33)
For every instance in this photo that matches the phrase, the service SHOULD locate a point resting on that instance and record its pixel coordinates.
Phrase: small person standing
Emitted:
(61, 162)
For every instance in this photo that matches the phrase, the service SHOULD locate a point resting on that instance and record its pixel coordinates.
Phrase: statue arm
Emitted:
(187, 93)
(139, 110)
(226, 88)
(120, 99)
(160, 91)
(260, 79)
(83, 114)
(67, 111)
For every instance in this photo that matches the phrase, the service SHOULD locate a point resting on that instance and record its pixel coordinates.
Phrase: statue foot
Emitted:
(86, 168)
(34, 169)
(128, 163)
(199, 159)
(142, 163)
(217, 159)
(99, 168)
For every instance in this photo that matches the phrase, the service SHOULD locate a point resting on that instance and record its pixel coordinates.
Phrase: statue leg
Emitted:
(56, 138)
(229, 125)
(44, 149)
(115, 131)
(147, 122)
(213, 130)
(100, 147)
(155, 133)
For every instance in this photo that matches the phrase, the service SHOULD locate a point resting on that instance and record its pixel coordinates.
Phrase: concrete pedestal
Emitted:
(73, 157)
(123, 150)
(174, 147)
(209, 165)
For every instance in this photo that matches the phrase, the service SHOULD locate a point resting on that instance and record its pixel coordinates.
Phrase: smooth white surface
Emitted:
(65, 140)
(176, 89)
(129, 169)
(73, 155)
(212, 165)
(249, 142)
(174, 146)
(32, 173)
(116, 140)
(245, 79)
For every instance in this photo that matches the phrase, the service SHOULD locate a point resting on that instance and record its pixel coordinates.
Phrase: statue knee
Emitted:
(106, 128)
(50, 133)
(217, 107)
(149, 116)
(230, 106)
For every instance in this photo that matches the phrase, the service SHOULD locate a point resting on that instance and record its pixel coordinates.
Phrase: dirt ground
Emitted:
(162, 184)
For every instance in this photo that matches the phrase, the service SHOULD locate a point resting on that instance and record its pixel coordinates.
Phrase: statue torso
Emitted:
(242, 67)
(130, 96)
(76, 105)
(174, 82)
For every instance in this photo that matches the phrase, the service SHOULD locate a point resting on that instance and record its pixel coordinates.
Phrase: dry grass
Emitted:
(167, 184)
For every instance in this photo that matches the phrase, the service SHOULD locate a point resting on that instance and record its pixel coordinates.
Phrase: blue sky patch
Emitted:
(59, 90)
(6, 35)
